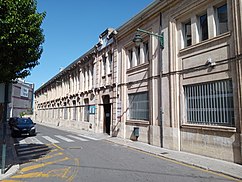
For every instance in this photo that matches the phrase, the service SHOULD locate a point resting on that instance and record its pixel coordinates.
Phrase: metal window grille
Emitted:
(210, 103)
(139, 106)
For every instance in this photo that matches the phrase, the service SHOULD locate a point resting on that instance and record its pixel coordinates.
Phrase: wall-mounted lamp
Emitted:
(138, 38)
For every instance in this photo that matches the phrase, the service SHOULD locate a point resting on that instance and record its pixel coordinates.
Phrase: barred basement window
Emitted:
(210, 103)
(139, 106)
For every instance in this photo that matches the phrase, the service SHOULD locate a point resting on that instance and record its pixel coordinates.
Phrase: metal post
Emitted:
(4, 127)
(160, 37)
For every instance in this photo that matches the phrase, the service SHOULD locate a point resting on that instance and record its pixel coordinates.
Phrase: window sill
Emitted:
(209, 128)
(138, 122)
(138, 67)
(205, 42)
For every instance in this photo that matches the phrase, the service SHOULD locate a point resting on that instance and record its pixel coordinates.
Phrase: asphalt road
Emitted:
(55, 155)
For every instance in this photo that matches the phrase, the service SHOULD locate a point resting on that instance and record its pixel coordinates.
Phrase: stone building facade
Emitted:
(183, 96)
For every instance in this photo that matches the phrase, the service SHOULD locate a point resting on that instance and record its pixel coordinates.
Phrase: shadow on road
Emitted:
(19, 153)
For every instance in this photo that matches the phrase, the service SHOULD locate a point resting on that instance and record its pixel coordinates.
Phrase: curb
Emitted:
(11, 171)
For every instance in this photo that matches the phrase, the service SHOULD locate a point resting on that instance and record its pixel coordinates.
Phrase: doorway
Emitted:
(107, 114)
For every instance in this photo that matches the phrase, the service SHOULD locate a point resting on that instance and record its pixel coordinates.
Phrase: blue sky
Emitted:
(72, 27)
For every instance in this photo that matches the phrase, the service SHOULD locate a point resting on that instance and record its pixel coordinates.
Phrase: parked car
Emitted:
(23, 126)
(11, 121)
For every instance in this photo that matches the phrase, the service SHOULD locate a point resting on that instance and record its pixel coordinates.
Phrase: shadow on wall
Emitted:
(116, 129)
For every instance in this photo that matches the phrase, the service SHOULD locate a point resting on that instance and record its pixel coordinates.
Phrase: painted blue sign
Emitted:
(92, 109)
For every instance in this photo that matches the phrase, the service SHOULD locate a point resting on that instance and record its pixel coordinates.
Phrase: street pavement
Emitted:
(187, 159)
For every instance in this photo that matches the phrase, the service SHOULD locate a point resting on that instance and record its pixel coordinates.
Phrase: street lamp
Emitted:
(138, 38)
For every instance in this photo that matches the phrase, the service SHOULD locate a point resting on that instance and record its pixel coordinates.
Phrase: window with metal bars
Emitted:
(139, 106)
(210, 103)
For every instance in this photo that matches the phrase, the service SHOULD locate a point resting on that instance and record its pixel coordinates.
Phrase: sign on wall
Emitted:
(24, 92)
(92, 109)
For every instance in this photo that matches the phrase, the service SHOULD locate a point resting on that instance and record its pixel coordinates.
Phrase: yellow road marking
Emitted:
(57, 146)
(32, 175)
(53, 150)
(65, 173)
(49, 156)
(34, 155)
(61, 173)
(77, 163)
(53, 173)
(10, 181)
(42, 165)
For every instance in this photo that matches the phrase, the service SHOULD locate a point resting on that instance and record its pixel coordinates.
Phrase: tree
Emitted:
(21, 38)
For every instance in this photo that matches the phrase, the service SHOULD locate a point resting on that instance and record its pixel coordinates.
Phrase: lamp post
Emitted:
(138, 38)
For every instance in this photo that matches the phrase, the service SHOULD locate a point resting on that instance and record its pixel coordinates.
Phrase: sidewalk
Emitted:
(11, 166)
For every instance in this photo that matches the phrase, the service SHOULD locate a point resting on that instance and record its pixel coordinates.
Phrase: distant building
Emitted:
(21, 99)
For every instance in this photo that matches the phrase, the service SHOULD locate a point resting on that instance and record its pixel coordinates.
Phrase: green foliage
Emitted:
(21, 38)
(22, 114)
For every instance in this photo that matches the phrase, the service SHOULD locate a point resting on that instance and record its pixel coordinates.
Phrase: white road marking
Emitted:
(78, 138)
(64, 138)
(91, 138)
(50, 139)
(22, 141)
(34, 140)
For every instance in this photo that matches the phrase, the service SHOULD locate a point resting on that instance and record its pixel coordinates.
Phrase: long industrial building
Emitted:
(170, 77)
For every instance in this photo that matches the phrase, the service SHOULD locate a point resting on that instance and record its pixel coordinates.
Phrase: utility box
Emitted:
(136, 131)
